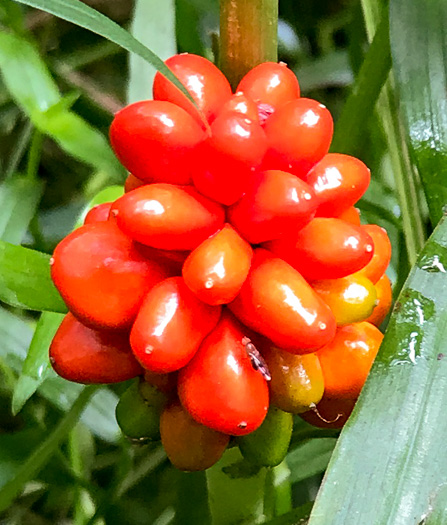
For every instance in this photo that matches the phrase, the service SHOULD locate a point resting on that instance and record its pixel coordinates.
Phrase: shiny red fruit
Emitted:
(299, 135)
(84, 355)
(329, 413)
(270, 85)
(102, 276)
(277, 203)
(217, 268)
(99, 213)
(382, 253)
(170, 326)
(240, 103)
(325, 249)
(132, 183)
(156, 141)
(168, 217)
(228, 158)
(279, 304)
(339, 182)
(219, 387)
(204, 81)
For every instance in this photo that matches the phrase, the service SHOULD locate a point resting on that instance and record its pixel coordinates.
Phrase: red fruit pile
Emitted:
(234, 252)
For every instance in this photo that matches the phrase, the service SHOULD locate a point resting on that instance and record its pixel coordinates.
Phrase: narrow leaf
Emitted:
(32, 465)
(36, 366)
(25, 279)
(310, 458)
(350, 128)
(419, 47)
(154, 26)
(389, 461)
(84, 16)
(19, 198)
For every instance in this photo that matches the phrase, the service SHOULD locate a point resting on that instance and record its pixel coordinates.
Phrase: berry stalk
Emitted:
(248, 36)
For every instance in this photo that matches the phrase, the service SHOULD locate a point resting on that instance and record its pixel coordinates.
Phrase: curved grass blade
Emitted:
(390, 460)
(419, 48)
(25, 280)
(84, 16)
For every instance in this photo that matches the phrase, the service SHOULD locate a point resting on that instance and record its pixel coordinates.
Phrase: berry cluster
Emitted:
(233, 276)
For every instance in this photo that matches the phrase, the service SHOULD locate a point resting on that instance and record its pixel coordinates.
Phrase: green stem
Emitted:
(248, 36)
(34, 154)
(404, 176)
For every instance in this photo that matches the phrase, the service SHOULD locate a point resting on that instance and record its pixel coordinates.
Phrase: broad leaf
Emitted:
(154, 26)
(390, 459)
(25, 279)
(84, 16)
(36, 367)
(419, 62)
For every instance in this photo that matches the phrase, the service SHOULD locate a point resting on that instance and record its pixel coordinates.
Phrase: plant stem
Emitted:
(248, 36)
(405, 178)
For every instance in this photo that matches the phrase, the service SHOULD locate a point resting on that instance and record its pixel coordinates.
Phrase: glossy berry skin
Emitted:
(241, 104)
(102, 276)
(330, 413)
(277, 302)
(170, 325)
(297, 380)
(299, 135)
(270, 85)
(168, 217)
(219, 387)
(347, 359)
(339, 182)
(84, 355)
(276, 204)
(189, 445)
(382, 253)
(99, 213)
(228, 158)
(351, 299)
(384, 301)
(156, 141)
(204, 81)
(325, 249)
(132, 183)
(351, 215)
(216, 270)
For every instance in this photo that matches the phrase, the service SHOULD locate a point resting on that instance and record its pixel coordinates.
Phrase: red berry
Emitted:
(339, 182)
(101, 275)
(382, 252)
(219, 387)
(325, 249)
(156, 141)
(205, 82)
(299, 135)
(279, 304)
(132, 182)
(229, 157)
(276, 204)
(170, 326)
(329, 413)
(168, 217)
(351, 215)
(99, 213)
(270, 85)
(217, 268)
(84, 355)
(240, 103)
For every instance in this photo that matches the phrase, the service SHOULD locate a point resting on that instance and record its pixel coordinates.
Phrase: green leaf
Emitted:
(32, 465)
(36, 366)
(80, 14)
(153, 25)
(390, 460)
(99, 416)
(297, 516)
(419, 47)
(309, 458)
(19, 198)
(350, 127)
(32, 87)
(25, 279)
